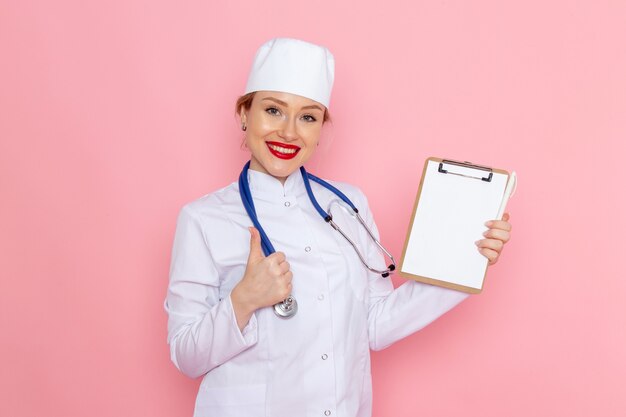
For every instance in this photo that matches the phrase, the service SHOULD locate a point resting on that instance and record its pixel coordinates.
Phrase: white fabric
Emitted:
(293, 66)
(318, 360)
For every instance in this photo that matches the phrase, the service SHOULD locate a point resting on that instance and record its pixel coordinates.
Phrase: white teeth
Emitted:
(281, 149)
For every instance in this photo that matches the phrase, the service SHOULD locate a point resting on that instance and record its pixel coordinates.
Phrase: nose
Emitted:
(288, 130)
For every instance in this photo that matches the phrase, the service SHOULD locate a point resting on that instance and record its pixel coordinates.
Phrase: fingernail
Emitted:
(477, 243)
(485, 233)
(489, 223)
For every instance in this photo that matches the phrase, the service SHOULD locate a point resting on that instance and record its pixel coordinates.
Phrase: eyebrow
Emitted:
(282, 103)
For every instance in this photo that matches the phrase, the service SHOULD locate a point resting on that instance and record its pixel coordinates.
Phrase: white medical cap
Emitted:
(293, 66)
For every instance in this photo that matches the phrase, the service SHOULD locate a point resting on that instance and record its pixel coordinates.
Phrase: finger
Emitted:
(256, 252)
(502, 235)
(493, 244)
(499, 224)
(506, 217)
(284, 267)
(278, 257)
(285, 291)
(276, 266)
(490, 254)
(284, 286)
(275, 269)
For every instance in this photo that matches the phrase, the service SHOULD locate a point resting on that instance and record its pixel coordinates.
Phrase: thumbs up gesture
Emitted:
(266, 281)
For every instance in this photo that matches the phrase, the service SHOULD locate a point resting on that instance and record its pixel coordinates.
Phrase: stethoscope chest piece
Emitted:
(286, 308)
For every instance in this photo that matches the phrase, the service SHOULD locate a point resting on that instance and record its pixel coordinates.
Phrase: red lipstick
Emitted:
(282, 150)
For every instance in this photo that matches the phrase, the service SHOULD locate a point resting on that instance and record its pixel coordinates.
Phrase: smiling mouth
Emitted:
(282, 150)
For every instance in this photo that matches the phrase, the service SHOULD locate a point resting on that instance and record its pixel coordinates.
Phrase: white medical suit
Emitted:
(316, 363)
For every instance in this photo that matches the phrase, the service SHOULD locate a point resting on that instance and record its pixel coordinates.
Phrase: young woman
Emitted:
(227, 282)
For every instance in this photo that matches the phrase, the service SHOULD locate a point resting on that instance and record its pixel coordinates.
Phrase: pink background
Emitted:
(113, 114)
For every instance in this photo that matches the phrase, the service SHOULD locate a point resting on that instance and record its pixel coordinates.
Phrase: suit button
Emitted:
(327, 412)
(307, 249)
(324, 357)
(287, 203)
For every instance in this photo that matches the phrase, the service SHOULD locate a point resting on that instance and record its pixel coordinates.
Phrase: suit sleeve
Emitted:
(202, 328)
(396, 313)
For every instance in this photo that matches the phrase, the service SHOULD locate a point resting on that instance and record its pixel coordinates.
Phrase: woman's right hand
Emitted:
(267, 281)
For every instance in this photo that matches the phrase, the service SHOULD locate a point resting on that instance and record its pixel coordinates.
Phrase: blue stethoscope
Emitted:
(288, 307)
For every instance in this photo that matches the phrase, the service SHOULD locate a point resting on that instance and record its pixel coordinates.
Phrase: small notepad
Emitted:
(453, 202)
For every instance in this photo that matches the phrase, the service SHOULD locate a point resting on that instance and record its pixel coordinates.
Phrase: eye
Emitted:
(309, 118)
(273, 111)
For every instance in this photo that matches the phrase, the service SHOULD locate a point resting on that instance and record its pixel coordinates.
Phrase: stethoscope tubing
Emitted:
(288, 307)
(248, 204)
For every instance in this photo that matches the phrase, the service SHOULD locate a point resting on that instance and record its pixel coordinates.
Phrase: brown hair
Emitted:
(245, 101)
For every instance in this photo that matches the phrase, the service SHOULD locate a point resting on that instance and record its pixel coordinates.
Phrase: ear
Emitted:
(243, 115)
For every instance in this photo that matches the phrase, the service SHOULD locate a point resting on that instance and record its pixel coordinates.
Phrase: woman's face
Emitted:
(282, 133)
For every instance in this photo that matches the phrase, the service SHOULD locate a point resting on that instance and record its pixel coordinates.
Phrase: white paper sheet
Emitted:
(449, 218)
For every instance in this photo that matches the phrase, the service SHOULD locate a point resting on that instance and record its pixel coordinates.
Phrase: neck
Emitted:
(256, 166)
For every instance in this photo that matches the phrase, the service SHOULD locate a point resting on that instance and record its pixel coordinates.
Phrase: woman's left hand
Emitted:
(498, 234)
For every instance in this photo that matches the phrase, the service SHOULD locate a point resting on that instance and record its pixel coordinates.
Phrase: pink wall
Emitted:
(114, 114)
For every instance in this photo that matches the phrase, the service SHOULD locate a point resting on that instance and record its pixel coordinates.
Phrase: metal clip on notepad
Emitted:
(466, 165)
